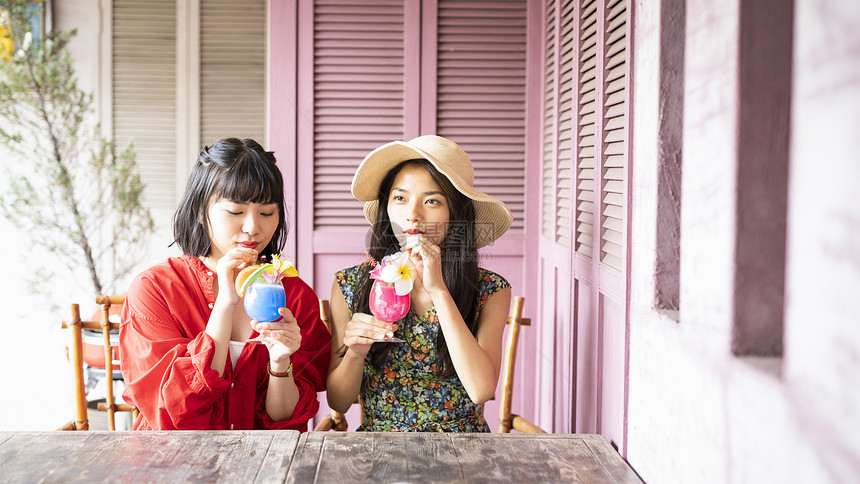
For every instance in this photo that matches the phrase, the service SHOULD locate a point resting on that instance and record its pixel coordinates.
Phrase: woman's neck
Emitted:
(209, 262)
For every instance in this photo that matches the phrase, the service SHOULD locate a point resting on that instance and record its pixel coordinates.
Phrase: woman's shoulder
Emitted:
(351, 275)
(489, 284)
(349, 280)
(490, 281)
(155, 293)
(167, 271)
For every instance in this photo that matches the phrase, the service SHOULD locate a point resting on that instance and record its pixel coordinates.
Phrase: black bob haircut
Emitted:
(240, 171)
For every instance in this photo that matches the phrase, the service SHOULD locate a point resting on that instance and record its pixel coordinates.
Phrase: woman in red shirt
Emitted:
(186, 360)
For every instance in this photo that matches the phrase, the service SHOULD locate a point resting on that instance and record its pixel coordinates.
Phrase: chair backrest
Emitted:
(507, 420)
(325, 313)
(76, 358)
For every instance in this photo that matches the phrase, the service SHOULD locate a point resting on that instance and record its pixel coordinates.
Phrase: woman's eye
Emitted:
(433, 201)
(267, 214)
(234, 213)
(398, 198)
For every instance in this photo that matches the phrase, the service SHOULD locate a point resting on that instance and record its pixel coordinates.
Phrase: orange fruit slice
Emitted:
(250, 274)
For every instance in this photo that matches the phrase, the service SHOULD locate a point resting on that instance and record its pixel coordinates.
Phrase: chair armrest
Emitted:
(522, 425)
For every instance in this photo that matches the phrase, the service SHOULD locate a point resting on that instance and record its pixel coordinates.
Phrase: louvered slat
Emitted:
(548, 192)
(358, 98)
(586, 119)
(481, 92)
(614, 136)
(232, 70)
(144, 92)
(566, 115)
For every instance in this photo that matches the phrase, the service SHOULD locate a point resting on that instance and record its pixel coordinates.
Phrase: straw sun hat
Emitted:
(492, 217)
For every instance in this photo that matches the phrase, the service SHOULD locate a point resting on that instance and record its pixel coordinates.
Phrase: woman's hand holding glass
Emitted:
(426, 256)
(282, 337)
(363, 330)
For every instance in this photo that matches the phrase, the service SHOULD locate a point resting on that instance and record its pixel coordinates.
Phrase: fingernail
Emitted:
(389, 334)
(380, 336)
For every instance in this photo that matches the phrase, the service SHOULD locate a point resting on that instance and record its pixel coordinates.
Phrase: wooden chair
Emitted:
(76, 357)
(507, 420)
(335, 420)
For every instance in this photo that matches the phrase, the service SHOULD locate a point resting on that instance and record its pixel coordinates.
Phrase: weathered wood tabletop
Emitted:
(321, 457)
(180, 456)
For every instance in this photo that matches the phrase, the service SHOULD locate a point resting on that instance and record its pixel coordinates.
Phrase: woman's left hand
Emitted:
(427, 257)
(286, 336)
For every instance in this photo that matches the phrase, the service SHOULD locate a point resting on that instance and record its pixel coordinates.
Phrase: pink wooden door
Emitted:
(365, 74)
(583, 254)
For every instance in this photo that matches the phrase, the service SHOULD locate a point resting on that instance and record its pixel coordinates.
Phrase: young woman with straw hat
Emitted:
(428, 221)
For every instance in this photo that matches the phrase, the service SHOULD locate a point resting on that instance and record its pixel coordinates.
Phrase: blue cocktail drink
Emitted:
(263, 300)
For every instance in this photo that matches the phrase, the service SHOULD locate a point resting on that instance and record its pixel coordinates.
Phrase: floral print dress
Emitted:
(407, 395)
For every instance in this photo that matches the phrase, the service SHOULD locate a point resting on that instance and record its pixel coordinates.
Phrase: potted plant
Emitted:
(68, 188)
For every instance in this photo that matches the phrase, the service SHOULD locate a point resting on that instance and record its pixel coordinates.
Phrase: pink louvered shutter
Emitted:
(587, 128)
(559, 109)
(358, 77)
(481, 92)
(566, 122)
(585, 139)
(548, 204)
(613, 206)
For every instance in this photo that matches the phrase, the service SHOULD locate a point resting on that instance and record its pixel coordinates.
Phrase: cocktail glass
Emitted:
(262, 301)
(387, 306)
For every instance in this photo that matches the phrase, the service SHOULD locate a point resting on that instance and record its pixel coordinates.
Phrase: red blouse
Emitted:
(166, 355)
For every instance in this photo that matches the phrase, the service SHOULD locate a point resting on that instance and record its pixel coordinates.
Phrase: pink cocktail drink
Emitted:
(262, 301)
(385, 304)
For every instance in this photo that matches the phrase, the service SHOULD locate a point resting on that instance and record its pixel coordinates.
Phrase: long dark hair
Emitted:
(459, 259)
(231, 169)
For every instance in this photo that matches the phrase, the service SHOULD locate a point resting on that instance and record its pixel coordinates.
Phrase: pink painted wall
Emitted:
(698, 412)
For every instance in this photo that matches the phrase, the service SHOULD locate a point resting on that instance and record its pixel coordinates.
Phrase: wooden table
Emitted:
(377, 458)
(169, 457)
(270, 456)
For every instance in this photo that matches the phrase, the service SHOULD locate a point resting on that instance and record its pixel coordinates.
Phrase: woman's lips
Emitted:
(412, 232)
(249, 245)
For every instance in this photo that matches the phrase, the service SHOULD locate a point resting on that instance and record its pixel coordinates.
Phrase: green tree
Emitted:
(68, 188)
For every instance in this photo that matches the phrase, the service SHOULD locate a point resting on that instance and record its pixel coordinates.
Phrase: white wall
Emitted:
(822, 367)
(696, 412)
(38, 392)
(37, 377)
